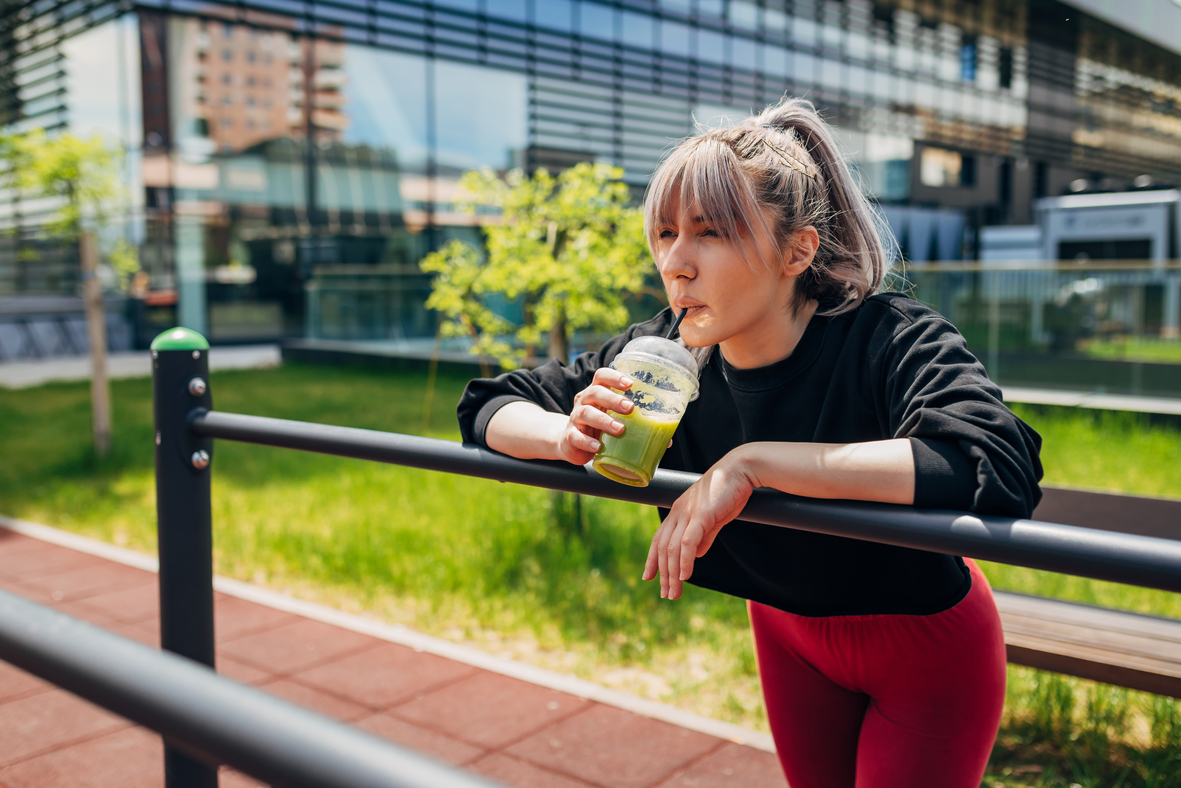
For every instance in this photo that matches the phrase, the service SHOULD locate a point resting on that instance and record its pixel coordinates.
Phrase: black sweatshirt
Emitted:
(892, 368)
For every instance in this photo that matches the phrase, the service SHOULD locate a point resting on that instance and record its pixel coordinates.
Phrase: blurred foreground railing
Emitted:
(212, 719)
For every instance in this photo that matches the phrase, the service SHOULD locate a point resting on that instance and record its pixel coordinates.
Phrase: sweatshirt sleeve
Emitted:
(970, 451)
(552, 385)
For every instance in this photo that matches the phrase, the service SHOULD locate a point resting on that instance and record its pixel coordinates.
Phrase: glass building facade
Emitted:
(273, 145)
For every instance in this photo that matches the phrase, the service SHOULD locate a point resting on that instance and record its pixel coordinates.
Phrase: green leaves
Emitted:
(569, 249)
(83, 177)
(85, 173)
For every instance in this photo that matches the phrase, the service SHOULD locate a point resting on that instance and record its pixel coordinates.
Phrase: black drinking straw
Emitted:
(672, 332)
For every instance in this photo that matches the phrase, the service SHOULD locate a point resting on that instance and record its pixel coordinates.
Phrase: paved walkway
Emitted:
(522, 733)
(132, 364)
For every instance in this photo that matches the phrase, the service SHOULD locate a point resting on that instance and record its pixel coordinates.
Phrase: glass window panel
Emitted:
(744, 14)
(904, 58)
(711, 46)
(805, 68)
(637, 30)
(674, 38)
(553, 14)
(710, 8)
(597, 21)
(803, 30)
(924, 94)
(939, 167)
(103, 91)
(829, 73)
(775, 59)
(774, 20)
(481, 117)
(516, 10)
(857, 45)
(742, 52)
(831, 36)
(681, 6)
(386, 103)
(462, 5)
(103, 97)
(968, 56)
(857, 81)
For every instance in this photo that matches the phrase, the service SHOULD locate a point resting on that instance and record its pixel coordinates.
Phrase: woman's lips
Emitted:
(691, 311)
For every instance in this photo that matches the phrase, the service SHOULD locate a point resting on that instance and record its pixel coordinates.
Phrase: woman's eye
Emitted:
(667, 234)
(711, 233)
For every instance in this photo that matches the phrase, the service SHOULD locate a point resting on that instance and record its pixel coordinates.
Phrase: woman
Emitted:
(881, 666)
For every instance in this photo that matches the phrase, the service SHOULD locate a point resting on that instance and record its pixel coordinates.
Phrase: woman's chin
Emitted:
(695, 337)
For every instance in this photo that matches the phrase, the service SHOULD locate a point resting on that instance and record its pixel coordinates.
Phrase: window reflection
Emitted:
(675, 38)
(598, 21)
(554, 14)
(637, 30)
(385, 135)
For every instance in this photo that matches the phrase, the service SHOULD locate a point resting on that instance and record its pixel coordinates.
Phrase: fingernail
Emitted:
(595, 445)
(625, 381)
(627, 405)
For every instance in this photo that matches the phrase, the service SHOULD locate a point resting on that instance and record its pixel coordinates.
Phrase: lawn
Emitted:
(506, 568)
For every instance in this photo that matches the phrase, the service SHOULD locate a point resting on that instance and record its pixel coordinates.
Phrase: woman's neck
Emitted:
(770, 340)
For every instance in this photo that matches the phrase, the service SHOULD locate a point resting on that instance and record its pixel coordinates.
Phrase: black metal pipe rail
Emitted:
(1102, 555)
(186, 427)
(212, 719)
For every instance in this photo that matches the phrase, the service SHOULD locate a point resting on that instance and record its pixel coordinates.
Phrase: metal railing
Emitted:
(203, 730)
(205, 718)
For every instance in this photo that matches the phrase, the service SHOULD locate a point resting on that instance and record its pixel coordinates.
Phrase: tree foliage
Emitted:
(569, 249)
(84, 176)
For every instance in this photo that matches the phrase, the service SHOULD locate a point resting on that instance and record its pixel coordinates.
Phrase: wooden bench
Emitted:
(1126, 649)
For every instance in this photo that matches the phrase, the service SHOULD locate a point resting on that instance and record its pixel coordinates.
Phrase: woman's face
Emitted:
(731, 302)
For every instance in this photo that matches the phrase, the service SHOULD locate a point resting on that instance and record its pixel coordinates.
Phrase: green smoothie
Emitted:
(631, 458)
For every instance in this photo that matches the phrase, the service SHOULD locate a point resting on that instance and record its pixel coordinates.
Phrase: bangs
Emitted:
(704, 176)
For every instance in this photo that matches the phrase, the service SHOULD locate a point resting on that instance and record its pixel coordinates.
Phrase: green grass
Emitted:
(514, 571)
(1152, 350)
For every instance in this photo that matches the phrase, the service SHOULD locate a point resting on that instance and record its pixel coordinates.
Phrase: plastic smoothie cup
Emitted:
(664, 376)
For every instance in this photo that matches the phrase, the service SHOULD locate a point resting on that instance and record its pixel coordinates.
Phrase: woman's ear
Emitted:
(801, 251)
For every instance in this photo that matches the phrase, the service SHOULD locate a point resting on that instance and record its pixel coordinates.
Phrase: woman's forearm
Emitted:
(880, 471)
(526, 431)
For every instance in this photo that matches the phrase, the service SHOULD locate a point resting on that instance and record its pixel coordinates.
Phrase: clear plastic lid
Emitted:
(677, 364)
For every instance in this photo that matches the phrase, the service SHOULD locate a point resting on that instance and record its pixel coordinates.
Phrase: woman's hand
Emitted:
(694, 521)
(589, 418)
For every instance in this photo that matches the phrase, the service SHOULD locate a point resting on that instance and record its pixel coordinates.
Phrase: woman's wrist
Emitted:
(745, 461)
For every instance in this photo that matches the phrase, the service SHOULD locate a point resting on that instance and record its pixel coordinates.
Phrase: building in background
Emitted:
(271, 146)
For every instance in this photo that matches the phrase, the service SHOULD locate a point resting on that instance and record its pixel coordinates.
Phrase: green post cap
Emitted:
(180, 339)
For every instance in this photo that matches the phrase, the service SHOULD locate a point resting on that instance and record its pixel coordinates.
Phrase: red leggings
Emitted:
(884, 701)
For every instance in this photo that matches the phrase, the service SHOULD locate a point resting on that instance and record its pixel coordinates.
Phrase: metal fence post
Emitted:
(180, 383)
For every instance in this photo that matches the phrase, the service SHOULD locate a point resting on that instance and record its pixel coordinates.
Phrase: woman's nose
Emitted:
(677, 262)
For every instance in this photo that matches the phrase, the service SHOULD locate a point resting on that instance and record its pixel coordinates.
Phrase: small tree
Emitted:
(570, 249)
(84, 174)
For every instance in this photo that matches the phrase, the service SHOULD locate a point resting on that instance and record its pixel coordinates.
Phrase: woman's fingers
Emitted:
(690, 543)
(667, 529)
(605, 376)
(592, 418)
(605, 399)
(652, 563)
(581, 441)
